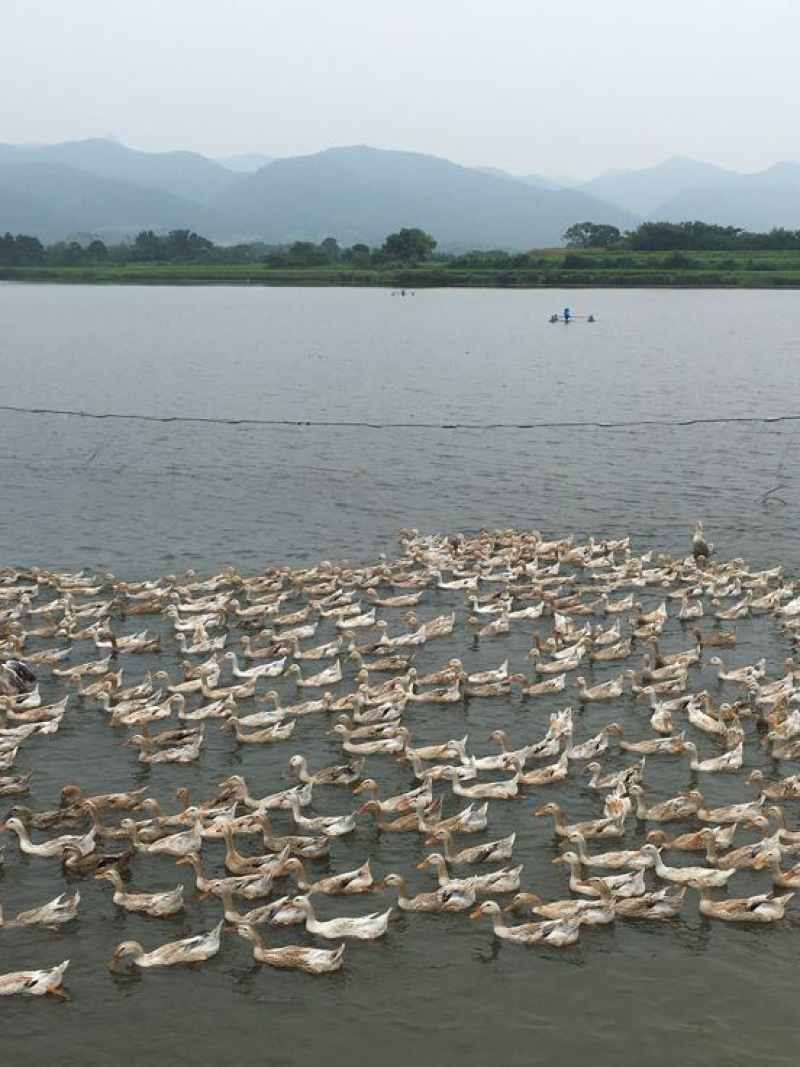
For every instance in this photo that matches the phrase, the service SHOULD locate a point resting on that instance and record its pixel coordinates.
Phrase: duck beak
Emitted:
(559, 861)
(477, 913)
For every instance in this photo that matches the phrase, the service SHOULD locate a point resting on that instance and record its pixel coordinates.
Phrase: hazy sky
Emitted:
(562, 87)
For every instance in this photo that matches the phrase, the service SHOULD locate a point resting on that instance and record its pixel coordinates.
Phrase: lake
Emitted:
(285, 426)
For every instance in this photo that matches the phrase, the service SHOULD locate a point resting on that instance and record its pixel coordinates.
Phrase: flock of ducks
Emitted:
(348, 656)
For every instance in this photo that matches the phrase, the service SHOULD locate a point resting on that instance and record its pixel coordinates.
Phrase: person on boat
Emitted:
(567, 314)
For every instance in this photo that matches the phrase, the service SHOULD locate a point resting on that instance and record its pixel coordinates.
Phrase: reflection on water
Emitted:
(145, 499)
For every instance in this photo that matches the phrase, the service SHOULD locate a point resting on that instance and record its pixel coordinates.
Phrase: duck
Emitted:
(446, 898)
(630, 884)
(236, 863)
(613, 780)
(614, 860)
(236, 788)
(741, 674)
(343, 774)
(399, 802)
(609, 690)
(673, 746)
(761, 908)
(506, 880)
(748, 857)
(299, 844)
(701, 548)
(251, 886)
(676, 808)
(490, 852)
(715, 639)
(695, 841)
(177, 844)
(401, 823)
(557, 932)
(554, 909)
(329, 825)
(347, 883)
(728, 761)
(73, 795)
(783, 879)
(381, 746)
(278, 912)
(554, 684)
(292, 957)
(364, 928)
(683, 875)
(35, 983)
(553, 772)
(272, 669)
(660, 905)
(160, 905)
(51, 915)
(187, 950)
(505, 790)
(329, 676)
(604, 827)
(186, 753)
(72, 816)
(73, 861)
(276, 731)
(726, 813)
(470, 820)
(84, 843)
(15, 784)
(789, 839)
(588, 749)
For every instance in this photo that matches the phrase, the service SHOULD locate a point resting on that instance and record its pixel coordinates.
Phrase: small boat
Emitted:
(569, 316)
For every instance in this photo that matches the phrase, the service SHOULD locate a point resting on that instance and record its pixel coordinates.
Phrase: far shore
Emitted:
(555, 269)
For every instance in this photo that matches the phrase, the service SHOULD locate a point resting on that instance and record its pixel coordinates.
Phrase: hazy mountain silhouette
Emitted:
(246, 163)
(53, 201)
(643, 191)
(184, 174)
(361, 194)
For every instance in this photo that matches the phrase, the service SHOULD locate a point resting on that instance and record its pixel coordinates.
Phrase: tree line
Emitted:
(406, 246)
(185, 246)
(680, 236)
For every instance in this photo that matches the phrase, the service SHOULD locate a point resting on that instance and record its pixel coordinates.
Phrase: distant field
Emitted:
(595, 268)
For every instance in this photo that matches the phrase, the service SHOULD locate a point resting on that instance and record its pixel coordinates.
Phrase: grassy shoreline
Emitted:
(552, 269)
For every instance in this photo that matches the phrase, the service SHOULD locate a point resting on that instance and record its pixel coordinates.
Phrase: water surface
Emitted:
(147, 498)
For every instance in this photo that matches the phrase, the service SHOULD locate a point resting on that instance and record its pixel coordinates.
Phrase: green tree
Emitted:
(591, 235)
(148, 247)
(330, 246)
(358, 255)
(97, 249)
(408, 244)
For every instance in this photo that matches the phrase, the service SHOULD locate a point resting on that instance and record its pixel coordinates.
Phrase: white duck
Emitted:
(728, 761)
(365, 928)
(556, 932)
(187, 950)
(684, 875)
(35, 983)
(294, 957)
(157, 904)
(85, 843)
(51, 915)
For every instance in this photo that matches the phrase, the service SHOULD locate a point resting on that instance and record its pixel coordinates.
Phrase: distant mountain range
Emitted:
(100, 188)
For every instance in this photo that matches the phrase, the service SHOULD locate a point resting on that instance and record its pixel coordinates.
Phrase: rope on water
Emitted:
(712, 420)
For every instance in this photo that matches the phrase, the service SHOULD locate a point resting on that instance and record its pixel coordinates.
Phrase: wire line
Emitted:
(711, 420)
